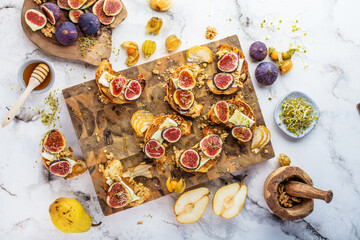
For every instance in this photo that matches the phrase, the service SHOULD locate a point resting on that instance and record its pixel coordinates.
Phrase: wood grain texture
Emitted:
(93, 56)
(111, 123)
(299, 189)
(282, 175)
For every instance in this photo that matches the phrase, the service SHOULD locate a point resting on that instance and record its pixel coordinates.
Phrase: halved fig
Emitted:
(112, 7)
(60, 167)
(222, 111)
(63, 4)
(117, 85)
(190, 159)
(118, 196)
(241, 133)
(186, 80)
(35, 19)
(75, 14)
(54, 141)
(98, 11)
(223, 81)
(211, 145)
(52, 12)
(133, 90)
(88, 4)
(229, 62)
(171, 134)
(154, 149)
(76, 4)
(184, 99)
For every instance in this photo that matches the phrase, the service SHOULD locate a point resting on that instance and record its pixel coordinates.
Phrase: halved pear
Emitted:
(229, 200)
(191, 205)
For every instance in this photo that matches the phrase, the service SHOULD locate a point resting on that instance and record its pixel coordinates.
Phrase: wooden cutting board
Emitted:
(93, 56)
(111, 123)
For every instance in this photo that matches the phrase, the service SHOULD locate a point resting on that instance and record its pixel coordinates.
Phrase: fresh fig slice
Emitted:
(223, 81)
(118, 195)
(222, 111)
(184, 99)
(60, 168)
(35, 19)
(63, 4)
(98, 11)
(117, 85)
(112, 7)
(75, 14)
(133, 90)
(186, 80)
(171, 134)
(154, 149)
(88, 3)
(54, 141)
(190, 159)
(76, 4)
(229, 62)
(241, 133)
(211, 145)
(52, 12)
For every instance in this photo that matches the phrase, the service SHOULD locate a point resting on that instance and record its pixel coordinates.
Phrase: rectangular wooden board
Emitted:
(91, 119)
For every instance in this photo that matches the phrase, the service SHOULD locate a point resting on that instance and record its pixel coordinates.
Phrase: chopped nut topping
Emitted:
(49, 29)
(110, 156)
(210, 32)
(156, 72)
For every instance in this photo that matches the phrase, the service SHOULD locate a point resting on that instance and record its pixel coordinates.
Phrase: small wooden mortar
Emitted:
(297, 184)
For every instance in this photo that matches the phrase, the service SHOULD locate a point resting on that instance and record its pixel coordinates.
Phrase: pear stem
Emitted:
(96, 224)
(242, 179)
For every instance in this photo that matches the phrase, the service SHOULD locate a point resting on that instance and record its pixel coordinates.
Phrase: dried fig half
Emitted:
(211, 145)
(222, 111)
(190, 159)
(229, 62)
(171, 134)
(60, 168)
(118, 195)
(184, 99)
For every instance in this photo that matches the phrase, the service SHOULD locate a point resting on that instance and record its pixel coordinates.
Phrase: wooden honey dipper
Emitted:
(37, 77)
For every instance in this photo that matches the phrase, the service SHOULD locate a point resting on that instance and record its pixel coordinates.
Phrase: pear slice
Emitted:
(191, 205)
(258, 138)
(229, 200)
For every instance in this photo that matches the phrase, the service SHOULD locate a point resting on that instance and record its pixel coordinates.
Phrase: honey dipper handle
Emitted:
(299, 189)
(10, 115)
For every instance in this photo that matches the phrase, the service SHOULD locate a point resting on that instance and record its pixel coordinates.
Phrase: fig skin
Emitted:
(89, 23)
(219, 106)
(225, 87)
(266, 73)
(258, 51)
(66, 33)
(170, 129)
(206, 149)
(181, 158)
(245, 133)
(159, 146)
(189, 94)
(222, 69)
(57, 162)
(130, 91)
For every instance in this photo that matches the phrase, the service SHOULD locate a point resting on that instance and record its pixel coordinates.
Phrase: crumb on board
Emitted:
(140, 222)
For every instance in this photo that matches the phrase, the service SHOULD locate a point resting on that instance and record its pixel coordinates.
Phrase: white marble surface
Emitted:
(329, 154)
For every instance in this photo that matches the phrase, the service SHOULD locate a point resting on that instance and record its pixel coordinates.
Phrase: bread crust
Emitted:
(79, 168)
(113, 170)
(209, 164)
(242, 75)
(184, 125)
(196, 108)
(105, 66)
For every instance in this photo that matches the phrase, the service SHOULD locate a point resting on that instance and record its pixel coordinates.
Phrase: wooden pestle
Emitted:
(302, 190)
(36, 78)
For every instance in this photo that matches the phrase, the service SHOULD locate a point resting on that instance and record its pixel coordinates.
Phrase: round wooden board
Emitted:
(101, 49)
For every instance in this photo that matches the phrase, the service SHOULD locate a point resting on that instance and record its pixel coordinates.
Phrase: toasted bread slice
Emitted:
(240, 76)
(210, 163)
(196, 108)
(79, 168)
(114, 170)
(105, 66)
(185, 127)
(233, 105)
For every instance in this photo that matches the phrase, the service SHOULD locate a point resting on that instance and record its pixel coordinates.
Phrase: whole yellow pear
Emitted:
(69, 216)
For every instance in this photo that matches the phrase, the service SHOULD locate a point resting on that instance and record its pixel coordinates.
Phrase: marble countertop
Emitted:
(328, 72)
